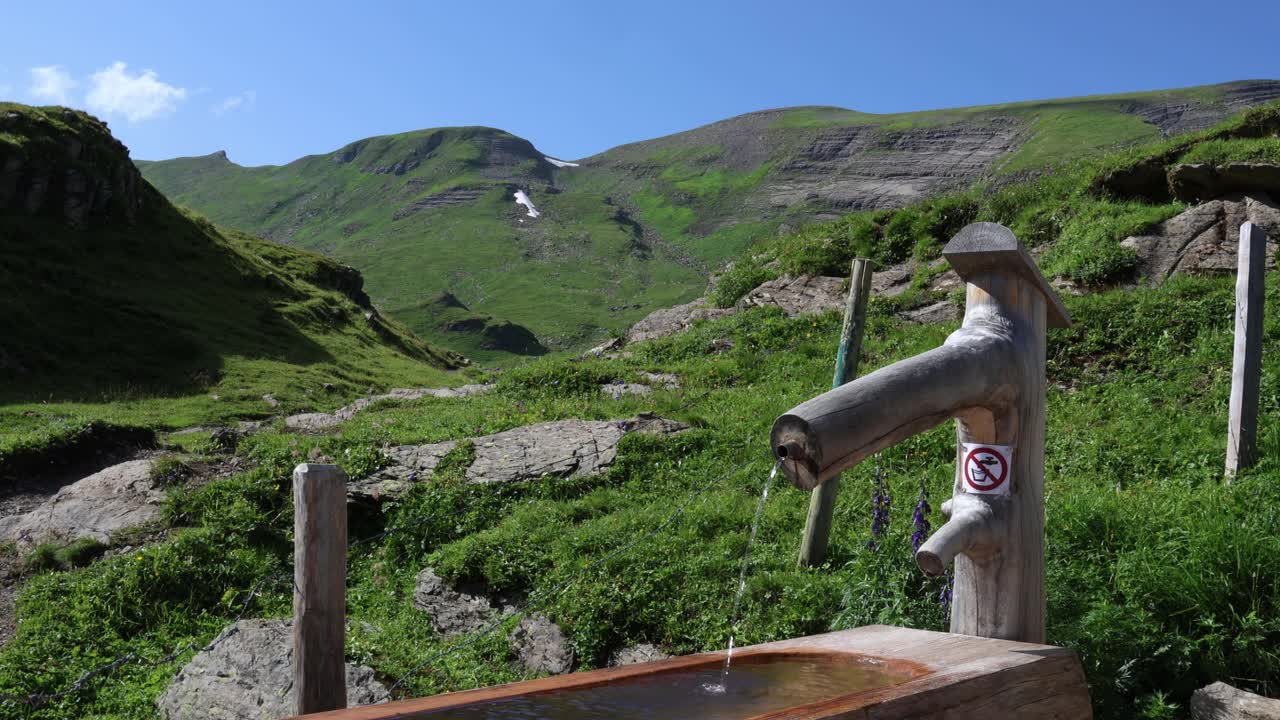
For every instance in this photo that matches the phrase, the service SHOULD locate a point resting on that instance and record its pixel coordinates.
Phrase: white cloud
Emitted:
(51, 83)
(243, 101)
(138, 97)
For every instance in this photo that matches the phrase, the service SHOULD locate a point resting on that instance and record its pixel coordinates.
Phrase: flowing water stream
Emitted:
(722, 686)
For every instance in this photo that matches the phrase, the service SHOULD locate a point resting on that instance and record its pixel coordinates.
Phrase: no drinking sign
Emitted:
(985, 468)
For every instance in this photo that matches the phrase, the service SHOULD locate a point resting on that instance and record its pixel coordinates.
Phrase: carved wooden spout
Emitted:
(990, 376)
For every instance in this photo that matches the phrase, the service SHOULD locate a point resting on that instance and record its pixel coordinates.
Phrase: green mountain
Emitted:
(112, 292)
(640, 226)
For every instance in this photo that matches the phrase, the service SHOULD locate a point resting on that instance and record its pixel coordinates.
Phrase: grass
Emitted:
(1158, 573)
(1221, 152)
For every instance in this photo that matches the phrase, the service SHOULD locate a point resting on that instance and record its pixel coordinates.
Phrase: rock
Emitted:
(541, 646)
(720, 345)
(1204, 239)
(804, 295)
(617, 390)
(893, 280)
(939, 312)
(944, 281)
(643, 652)
(311, 422)
(606, 347)
(1220, 701)
(409, 464)
(564, 448)
(666, 381)
(453, 612)
(92, 180)
(669, 321)
(314, 422)
(1145, 180)
(1200, 181)
(248, 675)
(113, 499)
(225, 439)
(271, 400)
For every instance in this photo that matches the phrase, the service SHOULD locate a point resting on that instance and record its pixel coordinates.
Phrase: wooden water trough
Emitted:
(928, 675)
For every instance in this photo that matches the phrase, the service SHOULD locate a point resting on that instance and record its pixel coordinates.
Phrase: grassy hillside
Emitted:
(639, 227)
(428, 212)
(163, 313)
(1160, 575)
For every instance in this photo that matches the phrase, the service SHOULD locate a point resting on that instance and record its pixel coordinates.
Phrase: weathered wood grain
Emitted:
(955, 677)
(320, 580)
(990, 376)
(1246, 367)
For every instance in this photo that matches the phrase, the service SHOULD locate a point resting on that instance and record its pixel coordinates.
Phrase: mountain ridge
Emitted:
(640, 226)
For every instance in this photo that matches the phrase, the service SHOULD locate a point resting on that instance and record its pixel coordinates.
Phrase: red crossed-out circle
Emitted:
(994, 479)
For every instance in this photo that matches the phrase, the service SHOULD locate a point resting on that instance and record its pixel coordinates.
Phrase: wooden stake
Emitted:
(320, 582)
(822, 503)
(1246, 368)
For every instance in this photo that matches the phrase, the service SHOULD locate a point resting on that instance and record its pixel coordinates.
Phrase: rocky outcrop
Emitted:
(662, 381)
(803, 295)
(113, 499)
(1204, 239)
(541, 646)
(316, 422)
(454, 612)
(619, 390)
(68, 166)
(1221, 701)
(562, 448)
(247, 674)
(641, 653)
(1200, 181)
(669, 321)
(408, 464)
(943, 311)
(444, 198)
(865, 167)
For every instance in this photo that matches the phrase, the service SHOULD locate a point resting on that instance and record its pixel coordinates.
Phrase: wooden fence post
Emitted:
(320, 587)
(1246, 367)
(822, 503)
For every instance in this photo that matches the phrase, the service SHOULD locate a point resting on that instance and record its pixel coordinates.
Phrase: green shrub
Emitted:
(739, 280)
(1221, 152)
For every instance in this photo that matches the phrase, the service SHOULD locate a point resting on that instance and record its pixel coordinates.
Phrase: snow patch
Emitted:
(522, 199)
(559, 163)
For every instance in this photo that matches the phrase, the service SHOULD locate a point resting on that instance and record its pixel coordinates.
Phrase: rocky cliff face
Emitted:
(64, 163)
(862, 167)
(1174, 117)
(832, 160)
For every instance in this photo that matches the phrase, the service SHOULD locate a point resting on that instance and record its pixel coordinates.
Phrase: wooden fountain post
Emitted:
(990, 376)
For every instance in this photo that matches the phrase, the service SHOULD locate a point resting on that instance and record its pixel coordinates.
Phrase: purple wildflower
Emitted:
(944, 597)
(880, 502)
(920, 519)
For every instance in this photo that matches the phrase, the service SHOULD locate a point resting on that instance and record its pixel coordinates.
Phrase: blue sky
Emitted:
(270, 81)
